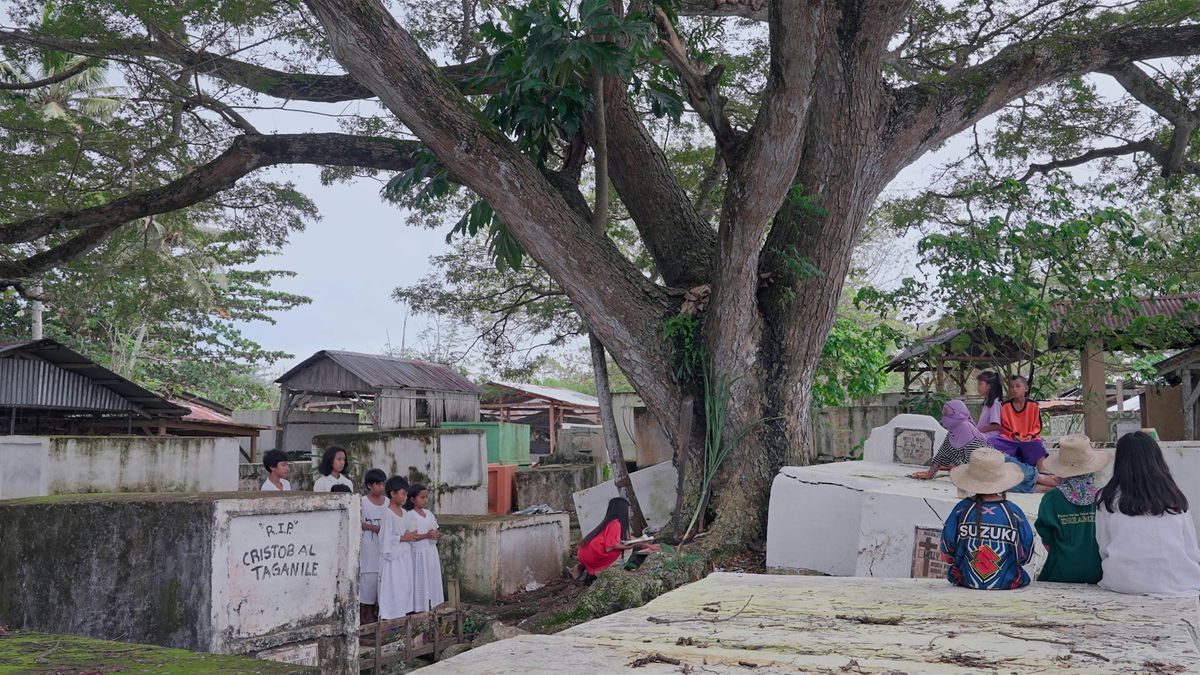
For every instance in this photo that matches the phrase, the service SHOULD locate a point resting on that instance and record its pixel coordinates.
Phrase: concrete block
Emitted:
(55, 465)
(655, 489)
(496, 556)
(234, 573)
(804, 624)
(24, 466)
(863, 519)
(906, 439)
(554, 485)
(452, 463)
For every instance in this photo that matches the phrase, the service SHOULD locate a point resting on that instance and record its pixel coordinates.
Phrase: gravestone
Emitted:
(273, 575)
(870, 517)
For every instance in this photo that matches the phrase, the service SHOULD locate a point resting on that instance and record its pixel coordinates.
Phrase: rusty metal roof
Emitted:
(982, 347)
(1184, 307)
(64, 379)
(386, 372)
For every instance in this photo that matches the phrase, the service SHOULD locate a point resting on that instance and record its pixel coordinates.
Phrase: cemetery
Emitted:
(358, 337)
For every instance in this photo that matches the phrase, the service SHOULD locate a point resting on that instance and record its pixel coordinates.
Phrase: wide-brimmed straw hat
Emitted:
(1075, 457)
(987, 473)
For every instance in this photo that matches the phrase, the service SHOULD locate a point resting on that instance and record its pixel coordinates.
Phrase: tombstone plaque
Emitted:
(912, 446)
(927, 558)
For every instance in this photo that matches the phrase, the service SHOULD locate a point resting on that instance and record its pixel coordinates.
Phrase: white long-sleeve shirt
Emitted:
(1148, 555)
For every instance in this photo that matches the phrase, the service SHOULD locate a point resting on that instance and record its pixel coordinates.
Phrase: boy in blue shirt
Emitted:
(987, 539)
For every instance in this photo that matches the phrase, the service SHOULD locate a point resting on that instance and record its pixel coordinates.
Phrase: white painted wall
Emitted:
(23, 466)
(141, 464)
(879, 445)
(500, 555)
(315, 535)
(50, 465)
(655, 489)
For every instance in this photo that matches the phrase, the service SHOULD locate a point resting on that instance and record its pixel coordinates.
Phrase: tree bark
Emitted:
(608, 424)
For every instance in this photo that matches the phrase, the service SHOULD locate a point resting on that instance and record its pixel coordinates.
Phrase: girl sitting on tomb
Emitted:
(332, 468)
(427, 565)
(1066, 519)
(987, 539)
(396, 554)
(1147, 541)
(964, 438)
(604, 545)
(992, 392)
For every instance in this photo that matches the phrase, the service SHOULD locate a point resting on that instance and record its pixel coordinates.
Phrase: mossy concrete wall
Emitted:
(227, 573)
(51, 465)
(452, 463)
(554, 485)
(496, 556)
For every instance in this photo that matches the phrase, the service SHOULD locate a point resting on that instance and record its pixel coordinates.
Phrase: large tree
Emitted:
(850, 93)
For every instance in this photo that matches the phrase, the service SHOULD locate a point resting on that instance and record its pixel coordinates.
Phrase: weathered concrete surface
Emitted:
(22, 652)
(34, 466)
(881, 445)
(861, 518)
(790, 624)
(452, 463)
(495, 556)
(655, 488)
(554, 485)
(303, 425)
(230, 573)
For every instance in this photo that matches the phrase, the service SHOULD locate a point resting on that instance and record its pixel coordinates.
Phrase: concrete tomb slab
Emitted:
(35, 466)
(655, 489)
(266, 574)
(731, 623)
(553, 485)
(870, 518)
(495, 556)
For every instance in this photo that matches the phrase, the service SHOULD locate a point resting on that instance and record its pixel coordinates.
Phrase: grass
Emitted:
(44, 653)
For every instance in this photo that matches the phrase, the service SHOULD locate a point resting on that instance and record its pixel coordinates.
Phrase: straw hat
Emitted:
(1075, 457)
(987, 473)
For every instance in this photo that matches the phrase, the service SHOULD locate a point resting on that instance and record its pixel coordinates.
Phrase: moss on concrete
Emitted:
(45, 653)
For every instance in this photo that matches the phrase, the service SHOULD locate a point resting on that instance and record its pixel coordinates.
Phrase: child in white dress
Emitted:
(396, 556)
(374, 508)
(427, 565)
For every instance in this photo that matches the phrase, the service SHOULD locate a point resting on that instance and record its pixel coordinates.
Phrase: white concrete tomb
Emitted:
(869, 518)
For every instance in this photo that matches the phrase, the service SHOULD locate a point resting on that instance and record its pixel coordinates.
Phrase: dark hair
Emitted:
(374, 476)
(1141, 483)
(618, 510)
(995, 386)
(331, 452)
(1019, 378)
(413, 491)
(272, 458)
(394, 483)
(340, 487)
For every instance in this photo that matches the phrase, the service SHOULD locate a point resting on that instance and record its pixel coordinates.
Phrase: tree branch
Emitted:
(262, 79)
(700, 88)
(925, 115)
(615, 299)
(755, 10)
(1143, 87)
(49, 80)
(13, 272)
(1098, 153)
(247, 153)
(681, 242)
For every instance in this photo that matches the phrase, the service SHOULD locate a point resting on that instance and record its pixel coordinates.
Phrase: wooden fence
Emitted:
(373, 637)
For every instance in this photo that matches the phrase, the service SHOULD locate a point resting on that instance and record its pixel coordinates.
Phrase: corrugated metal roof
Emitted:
(555, 394)
(61, 388)
(1182, 306)
(985, 348)
(383, 372)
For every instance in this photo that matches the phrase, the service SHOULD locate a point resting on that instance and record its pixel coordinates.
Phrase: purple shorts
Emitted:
(1028, 452)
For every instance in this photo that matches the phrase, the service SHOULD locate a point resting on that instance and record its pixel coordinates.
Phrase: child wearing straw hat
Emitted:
(1066, 519)
(987, 539)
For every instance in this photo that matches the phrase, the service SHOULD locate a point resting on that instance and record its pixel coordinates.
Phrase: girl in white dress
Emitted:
(332, 470)
(427, 565)
(396, 556)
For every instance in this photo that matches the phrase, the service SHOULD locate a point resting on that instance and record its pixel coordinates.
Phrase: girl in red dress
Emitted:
(603, 546)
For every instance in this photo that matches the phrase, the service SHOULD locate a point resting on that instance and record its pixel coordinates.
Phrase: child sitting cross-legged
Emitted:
(987, 539)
